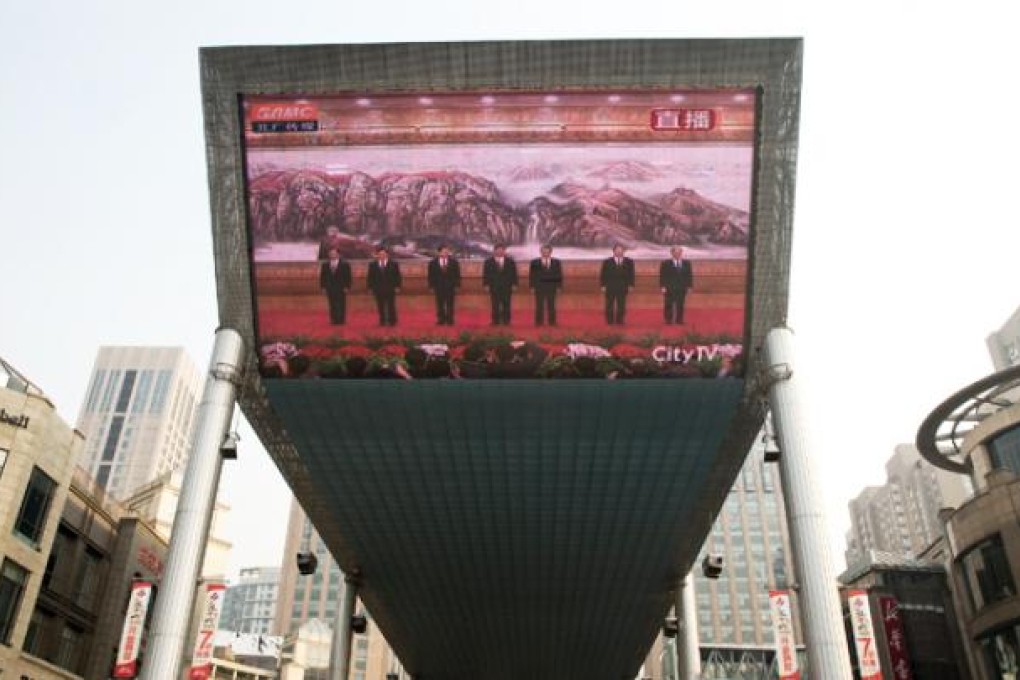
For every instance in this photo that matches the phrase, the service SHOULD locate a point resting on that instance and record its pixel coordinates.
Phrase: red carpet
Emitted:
(280, 324)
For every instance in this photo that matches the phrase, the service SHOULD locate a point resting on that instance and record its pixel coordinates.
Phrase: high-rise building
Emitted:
(250, 604)
(38, 452)
(1004, 344)
(902, 516)
(137, 415)
(752, 536)
(303, 598)
(735, 629)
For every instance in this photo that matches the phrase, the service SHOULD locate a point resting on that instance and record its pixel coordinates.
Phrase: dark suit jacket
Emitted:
(617, 278)
(545, 280)
(444, 281)
(674, 279)
(381, 281)
(335, 282)
(499, 280)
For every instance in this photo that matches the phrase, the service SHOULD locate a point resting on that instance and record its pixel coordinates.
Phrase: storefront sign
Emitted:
(11, 419)
(896, 638)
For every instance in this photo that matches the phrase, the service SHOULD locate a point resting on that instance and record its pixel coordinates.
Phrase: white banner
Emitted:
(201, 660)
(782, 624)
(864, 635)
(126, 665)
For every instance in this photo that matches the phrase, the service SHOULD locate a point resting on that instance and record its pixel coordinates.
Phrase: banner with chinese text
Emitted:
(201, 662)
(782, 624)
(864, 635)
(126, 665)
(895, 637)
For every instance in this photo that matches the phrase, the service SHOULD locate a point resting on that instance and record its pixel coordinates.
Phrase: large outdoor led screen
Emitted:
(501, 234)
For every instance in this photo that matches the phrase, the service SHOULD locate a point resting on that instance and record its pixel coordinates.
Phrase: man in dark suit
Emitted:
(335, 279)
(616, 278)
(675, 279)
(444, 280)
(545, 277)
(499, 276)
(384, 281)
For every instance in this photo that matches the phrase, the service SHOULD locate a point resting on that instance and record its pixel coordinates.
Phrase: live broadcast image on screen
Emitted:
(497, 234)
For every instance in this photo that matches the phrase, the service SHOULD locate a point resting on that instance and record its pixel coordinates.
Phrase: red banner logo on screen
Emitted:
(683, 120)
(292, 112)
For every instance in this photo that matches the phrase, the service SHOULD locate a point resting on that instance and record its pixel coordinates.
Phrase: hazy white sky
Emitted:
(905, 239)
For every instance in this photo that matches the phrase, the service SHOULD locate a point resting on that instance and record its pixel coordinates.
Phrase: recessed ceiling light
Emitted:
(551, 99)
(364, 102)
(425, 100)
(613, 98)
(677, 98)
(488, 99)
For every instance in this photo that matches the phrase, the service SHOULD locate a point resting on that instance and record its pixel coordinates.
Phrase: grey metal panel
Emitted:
(773, 65)
(513, 529)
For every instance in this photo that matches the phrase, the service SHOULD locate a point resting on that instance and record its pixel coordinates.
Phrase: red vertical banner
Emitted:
(782, 624)
(894, 635)
(201, 661)
(126, 665)
(864, 635)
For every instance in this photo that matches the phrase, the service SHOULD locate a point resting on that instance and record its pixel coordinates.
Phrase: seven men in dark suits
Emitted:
(335, 279)
(545, 277)
(384, 281)
(499, 277)
(616, 278)
(444, 280)
(675, 279)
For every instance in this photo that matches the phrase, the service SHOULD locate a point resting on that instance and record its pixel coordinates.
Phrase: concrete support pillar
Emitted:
(824, 636)
(190, 532)
(340, 655)
(688, 644)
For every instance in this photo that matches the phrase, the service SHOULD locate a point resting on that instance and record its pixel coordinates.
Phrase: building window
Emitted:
(88, 579)
(125, 391)
(67, 652)
(1005, 450)
(1001, 652)
(160, 392)
(987, 574)
(13, 578)
(35, 506)
(112, 437)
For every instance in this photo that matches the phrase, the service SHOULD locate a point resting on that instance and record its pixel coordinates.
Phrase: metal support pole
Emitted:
(824, 636)
(190, 532)
(340, 655)
(687, 646)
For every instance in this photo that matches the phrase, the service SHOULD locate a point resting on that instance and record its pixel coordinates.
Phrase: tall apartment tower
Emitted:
(1004, 344)
(901, 517)
(752, 535)
(303, 598)
(137, 415)
(250, 605)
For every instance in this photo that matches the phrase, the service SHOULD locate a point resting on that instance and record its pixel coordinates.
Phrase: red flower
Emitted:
(393, 350)
(355, 351)
(628, 351)
(318, 352)
(457, 353)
